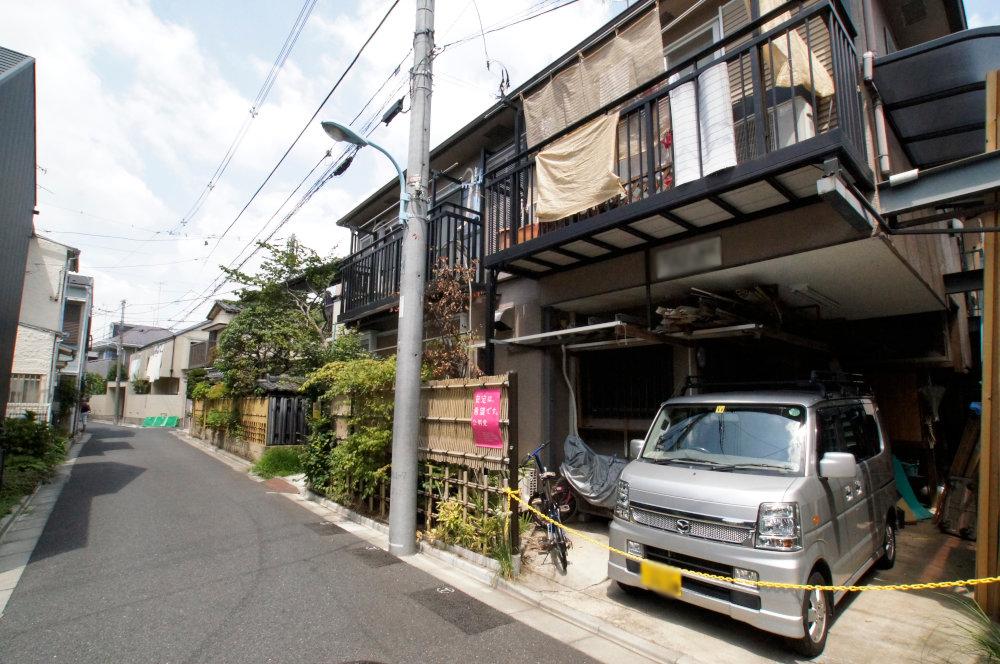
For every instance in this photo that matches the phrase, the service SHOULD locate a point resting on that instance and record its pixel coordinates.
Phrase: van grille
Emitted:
(709, 530)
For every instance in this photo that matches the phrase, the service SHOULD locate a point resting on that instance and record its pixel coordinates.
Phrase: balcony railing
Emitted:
(782, 118)
(202, 354)
(370, 276)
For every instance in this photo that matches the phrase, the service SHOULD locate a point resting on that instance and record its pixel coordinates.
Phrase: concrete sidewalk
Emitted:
(869, 627)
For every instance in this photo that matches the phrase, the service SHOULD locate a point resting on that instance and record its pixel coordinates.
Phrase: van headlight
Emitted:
(621, 504)
(778, 527)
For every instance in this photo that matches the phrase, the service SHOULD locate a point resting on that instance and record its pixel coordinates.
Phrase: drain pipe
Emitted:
(881, 139)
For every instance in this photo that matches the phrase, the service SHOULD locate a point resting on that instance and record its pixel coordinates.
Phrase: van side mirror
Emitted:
(838, 465)
(635, 448)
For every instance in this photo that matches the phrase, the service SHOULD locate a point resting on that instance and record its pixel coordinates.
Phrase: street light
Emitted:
(403, 488)
(344, 134)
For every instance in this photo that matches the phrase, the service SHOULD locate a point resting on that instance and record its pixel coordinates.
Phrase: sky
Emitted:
(138, 101)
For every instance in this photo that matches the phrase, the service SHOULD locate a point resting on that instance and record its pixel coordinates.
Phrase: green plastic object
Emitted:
(172, 422)
(906, 491)
(149, 422)
(159, 421)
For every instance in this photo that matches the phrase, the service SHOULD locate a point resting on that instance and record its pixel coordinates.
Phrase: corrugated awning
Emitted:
(934, 94)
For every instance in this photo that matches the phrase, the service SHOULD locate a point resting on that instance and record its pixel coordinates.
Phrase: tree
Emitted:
(281, 325)
(448, 294)
(94, 383)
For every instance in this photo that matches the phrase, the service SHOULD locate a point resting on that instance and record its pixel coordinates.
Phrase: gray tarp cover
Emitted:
(593, 476)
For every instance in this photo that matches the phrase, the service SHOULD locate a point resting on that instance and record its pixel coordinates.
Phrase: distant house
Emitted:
(154, 373)
(17, 196)
(104, 352)
(53, 331)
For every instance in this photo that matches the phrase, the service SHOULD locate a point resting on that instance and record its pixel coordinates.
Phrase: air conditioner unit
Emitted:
(368, 339)
(790, 122)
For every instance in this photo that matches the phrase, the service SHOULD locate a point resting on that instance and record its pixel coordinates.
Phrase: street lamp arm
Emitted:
(404, 197)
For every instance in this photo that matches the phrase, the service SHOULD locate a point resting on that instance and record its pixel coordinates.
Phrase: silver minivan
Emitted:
(783, 486)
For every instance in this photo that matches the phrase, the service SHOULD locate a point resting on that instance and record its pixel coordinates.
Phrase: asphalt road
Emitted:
(156, 552)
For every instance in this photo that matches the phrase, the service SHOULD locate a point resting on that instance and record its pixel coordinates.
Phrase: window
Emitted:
(848, 429)
(691, 44)
(25, 388)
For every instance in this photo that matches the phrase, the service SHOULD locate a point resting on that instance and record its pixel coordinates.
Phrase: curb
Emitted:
(22, 505)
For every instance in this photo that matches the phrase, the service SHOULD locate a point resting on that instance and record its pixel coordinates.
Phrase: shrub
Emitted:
(217, 391)
(316, 457)
(195, 377)
(94, 383)
(32, 450)
(279, 461)
(217, 418)
(483, 533)
(199, 391)
(981, 634)
(141, 386)
(29, 437)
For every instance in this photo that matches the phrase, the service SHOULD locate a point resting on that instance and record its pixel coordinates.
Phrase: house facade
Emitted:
(17, 196)
(154, 375)
(727, 221)
(53, 332)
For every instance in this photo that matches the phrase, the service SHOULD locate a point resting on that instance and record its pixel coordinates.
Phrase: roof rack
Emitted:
(826, 383)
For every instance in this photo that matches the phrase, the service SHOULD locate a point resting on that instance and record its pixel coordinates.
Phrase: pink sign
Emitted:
(486, 418)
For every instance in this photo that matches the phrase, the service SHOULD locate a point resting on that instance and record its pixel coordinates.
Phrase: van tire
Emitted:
(812, 643)
(889, 545)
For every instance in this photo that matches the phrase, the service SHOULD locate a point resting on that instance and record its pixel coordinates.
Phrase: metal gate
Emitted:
(286, 421)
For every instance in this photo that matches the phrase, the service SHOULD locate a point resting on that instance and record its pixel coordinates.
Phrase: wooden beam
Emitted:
(988, 526)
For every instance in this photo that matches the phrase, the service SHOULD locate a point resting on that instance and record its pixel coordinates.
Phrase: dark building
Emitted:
(17, 195)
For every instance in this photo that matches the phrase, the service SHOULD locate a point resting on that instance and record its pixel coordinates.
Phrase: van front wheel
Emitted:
(888, 558)
(817, 613)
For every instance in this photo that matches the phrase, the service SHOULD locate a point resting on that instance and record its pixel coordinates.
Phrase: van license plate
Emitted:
(661, 578)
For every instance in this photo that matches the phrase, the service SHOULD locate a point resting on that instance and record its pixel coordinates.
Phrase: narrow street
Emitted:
(156, 552)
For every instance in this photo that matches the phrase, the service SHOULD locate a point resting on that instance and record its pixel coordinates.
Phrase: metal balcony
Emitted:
(370, 276)
(783, 133)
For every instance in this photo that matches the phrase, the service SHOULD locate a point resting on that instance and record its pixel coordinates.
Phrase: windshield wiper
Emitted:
(716, 465)
(762, 465)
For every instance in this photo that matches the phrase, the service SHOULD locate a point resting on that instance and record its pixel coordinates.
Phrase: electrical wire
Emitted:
(306, 126)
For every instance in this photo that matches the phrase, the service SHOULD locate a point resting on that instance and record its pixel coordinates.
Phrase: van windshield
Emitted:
(769, 439)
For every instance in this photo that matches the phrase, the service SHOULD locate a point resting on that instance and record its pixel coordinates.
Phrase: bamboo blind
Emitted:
(253, 416)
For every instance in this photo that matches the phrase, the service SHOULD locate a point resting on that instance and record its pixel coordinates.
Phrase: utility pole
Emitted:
(118, 369)
(409, 351)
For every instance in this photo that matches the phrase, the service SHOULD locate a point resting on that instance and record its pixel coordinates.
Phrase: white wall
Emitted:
(140, 406)
(44, 276)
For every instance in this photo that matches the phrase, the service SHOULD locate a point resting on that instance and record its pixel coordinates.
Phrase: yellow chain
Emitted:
(759, 584)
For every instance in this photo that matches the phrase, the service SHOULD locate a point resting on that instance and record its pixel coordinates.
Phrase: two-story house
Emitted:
(154, 372)
(699, 189)
(53, 332)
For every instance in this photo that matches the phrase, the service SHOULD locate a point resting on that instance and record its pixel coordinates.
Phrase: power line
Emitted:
(265, 89)
(131, 239)
(306, 126)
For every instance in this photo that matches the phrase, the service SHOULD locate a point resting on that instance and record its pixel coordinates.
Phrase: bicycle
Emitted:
(545, 502)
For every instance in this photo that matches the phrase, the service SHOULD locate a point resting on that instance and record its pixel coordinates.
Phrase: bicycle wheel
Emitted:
(559, 550)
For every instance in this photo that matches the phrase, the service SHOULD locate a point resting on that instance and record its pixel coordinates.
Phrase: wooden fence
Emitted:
(452, 466)
(249, 439)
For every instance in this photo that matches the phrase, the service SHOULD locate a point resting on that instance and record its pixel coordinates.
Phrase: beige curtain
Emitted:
(791, 56)
(619, 65)
(577, 171)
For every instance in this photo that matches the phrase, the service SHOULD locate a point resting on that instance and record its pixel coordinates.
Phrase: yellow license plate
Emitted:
(661, 578)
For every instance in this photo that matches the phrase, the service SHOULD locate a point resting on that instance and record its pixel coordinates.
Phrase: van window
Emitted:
(848, 429)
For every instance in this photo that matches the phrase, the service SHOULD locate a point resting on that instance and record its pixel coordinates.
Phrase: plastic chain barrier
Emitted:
(934, 585)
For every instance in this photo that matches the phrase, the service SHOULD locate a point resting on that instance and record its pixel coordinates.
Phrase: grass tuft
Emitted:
(279, 461)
